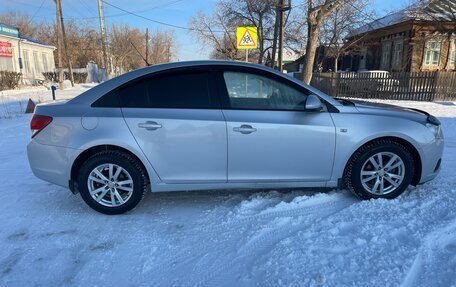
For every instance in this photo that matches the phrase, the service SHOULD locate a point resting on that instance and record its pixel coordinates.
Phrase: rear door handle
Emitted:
(150, 125)
(245, 129)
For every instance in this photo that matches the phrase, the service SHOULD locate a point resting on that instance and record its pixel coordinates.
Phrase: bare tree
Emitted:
(339, 24)
(21, 20)
(317, 12)
(219, 28)
(258, 13)
(84, 41)
(132, 48)
(215, 30)
(124, 56)
(162, 46)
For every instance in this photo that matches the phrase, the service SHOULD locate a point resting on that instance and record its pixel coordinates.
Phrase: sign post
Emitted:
(246, 39)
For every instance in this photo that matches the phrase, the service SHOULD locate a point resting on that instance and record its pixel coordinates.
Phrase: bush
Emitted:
(9, 80)
(79, 77)
(51, 76)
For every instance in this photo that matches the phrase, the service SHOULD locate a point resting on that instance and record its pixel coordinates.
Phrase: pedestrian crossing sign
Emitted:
(246, 37)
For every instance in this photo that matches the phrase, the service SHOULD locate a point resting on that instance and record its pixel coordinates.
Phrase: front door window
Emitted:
(255, 92)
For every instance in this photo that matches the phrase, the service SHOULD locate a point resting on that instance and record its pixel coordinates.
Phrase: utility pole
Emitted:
(59, 47)
(276, 31)
(65, 44)
(147, 45)
(281, 9)
(281, 13)
(104, 41)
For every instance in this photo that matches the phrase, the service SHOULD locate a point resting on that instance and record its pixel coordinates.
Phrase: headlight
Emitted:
(435, 129)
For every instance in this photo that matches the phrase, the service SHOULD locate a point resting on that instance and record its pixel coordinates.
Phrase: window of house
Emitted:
(45, 62)
(27, 62)
(36, 62)
(397, 55)
(386, 56)
(432, 53)
(6, 64)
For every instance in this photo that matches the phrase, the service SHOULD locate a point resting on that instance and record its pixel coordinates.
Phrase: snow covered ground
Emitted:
(49, 237)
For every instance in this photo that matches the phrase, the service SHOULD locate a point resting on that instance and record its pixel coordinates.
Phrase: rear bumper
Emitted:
(431, 160)
(50, 163)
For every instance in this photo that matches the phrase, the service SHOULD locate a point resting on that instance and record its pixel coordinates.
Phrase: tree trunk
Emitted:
(260, 40)
(311, 49)
(336, 59)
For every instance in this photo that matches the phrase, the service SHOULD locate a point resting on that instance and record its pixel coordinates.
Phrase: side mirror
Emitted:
(313, 103)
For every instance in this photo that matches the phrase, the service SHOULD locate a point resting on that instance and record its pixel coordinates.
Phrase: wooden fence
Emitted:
(414, 86)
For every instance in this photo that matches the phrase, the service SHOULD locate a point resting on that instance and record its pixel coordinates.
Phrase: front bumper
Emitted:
(431, 160)
(50, 163)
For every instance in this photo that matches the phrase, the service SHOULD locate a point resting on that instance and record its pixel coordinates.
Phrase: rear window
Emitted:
(175, 91)
(179, 91)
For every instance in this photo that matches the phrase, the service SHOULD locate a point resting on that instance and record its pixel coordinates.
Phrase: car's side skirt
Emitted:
(241, 185)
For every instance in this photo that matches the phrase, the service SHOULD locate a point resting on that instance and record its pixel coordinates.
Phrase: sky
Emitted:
(176, 12)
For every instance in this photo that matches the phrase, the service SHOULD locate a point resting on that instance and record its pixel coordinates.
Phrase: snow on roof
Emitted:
(34, 41)
(430, 10)
(14, 32)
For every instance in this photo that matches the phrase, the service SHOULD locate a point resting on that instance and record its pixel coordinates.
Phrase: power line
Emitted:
(159, 22)
(36, 12)
(76, 9)
(123, 14)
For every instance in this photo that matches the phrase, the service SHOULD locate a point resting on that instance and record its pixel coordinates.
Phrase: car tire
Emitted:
(369, 171)
(123, 191)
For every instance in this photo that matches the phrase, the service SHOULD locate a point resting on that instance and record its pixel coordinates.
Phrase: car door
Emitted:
(270, 135)
(177, 121)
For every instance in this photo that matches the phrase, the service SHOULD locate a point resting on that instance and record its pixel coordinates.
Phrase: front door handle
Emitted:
(150, 125)
(245, 129)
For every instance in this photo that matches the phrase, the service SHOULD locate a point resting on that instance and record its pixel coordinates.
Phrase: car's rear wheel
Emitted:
(380, 169)
(112, 182)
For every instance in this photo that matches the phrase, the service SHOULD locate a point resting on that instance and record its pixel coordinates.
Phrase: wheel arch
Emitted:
(407, 144)
(87, 153)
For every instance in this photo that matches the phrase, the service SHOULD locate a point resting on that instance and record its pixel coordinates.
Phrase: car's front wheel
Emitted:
(380, 169)
(112, 182)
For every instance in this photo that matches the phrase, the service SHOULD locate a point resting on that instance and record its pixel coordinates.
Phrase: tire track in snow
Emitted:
(215, 255)
(222, 272)
(244, 219)
(437, 244)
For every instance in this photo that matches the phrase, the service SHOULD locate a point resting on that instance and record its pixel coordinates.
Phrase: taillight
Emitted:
(38, 123)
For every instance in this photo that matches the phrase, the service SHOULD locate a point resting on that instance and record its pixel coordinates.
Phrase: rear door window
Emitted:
(189, 90)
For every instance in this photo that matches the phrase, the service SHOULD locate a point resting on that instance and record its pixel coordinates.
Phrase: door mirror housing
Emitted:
(313, 103)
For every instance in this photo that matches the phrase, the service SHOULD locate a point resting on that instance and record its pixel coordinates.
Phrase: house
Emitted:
(324, 62)
(421, 37)
(23, 55)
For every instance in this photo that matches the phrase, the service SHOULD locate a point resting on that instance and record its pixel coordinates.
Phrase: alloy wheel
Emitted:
(110, 185)
(382, 173)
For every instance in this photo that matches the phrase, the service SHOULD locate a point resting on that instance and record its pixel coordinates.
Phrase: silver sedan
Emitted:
(219, 125)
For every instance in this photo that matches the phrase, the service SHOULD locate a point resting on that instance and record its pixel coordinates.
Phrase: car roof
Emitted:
(96, 92)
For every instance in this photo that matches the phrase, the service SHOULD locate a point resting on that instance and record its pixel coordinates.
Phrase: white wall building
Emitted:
(23, 55)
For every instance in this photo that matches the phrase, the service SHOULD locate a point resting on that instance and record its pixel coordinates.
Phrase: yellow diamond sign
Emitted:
(246, 37)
